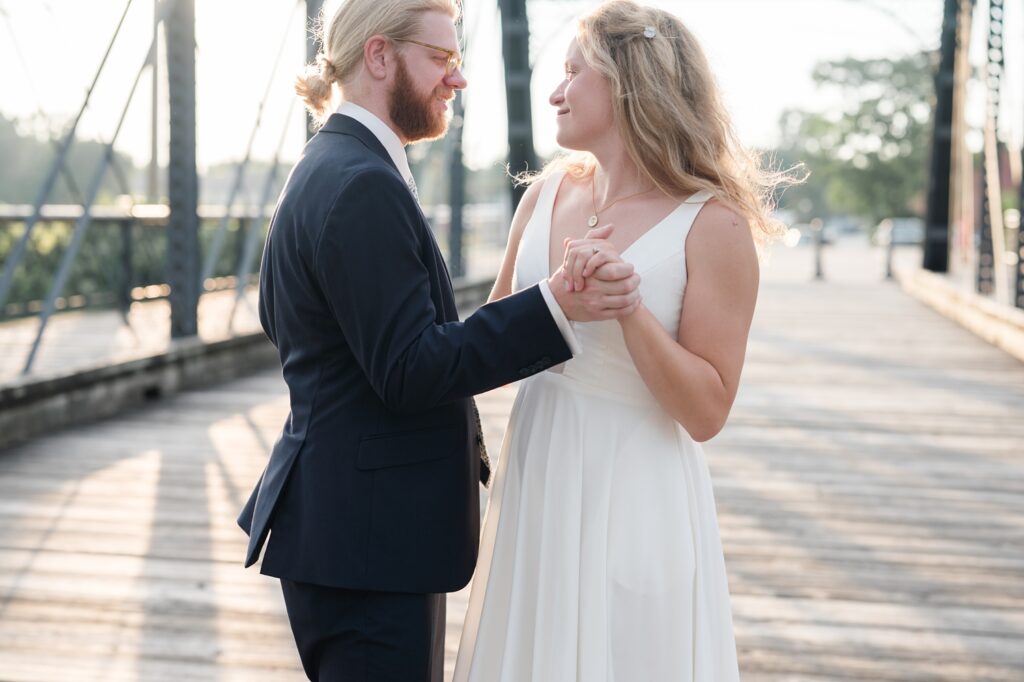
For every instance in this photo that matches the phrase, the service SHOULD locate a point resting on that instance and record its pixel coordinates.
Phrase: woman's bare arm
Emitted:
(696, 379)
(503, 284)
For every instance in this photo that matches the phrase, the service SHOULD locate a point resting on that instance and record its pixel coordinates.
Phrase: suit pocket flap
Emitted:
(397, 449)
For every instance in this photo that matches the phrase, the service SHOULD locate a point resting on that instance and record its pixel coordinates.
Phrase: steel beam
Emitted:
(515, 47)
(990, 274)
(936, 237)
(182, 178)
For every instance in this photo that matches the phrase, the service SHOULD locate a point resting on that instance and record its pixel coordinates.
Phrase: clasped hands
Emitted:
(593, 282)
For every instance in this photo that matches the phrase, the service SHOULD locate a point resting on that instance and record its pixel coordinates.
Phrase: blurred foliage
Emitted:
(96, 271)
(27, 156)
(99, 269)
(869, 158)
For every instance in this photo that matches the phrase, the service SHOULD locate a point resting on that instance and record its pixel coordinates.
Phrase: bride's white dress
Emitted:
(600, 558)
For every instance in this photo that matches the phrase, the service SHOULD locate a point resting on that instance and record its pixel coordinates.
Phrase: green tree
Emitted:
(868, 158)
(27, 158)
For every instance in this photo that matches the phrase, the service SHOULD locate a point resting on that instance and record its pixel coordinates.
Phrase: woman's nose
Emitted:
(557, 96)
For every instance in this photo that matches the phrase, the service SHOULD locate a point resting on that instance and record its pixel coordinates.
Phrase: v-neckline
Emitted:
(622, 254)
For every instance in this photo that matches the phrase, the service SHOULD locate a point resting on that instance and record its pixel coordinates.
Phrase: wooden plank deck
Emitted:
(870, 488)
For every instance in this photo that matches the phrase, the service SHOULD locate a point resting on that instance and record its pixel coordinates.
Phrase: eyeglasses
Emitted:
(454, 59)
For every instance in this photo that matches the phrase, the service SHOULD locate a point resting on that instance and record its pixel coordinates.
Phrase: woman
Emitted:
(600, 557)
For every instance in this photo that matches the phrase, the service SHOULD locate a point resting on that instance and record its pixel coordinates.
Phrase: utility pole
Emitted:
(153, 178)
(515, 47)
(456, 188)
(936, 236)
(962, 192)
(1019, 286)
(182, 179)
(313, 9)
(456, 176)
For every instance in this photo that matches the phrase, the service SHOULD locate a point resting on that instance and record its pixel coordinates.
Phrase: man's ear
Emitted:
(377, 55)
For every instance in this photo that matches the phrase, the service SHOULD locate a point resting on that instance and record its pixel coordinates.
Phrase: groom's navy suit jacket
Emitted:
(373, 482)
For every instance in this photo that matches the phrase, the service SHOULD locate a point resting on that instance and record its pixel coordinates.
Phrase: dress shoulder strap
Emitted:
(700, 198)
(690, 207)
(668, 238)
(548, 192)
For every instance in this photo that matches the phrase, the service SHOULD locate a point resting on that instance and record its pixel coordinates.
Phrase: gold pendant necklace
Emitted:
(592, 220)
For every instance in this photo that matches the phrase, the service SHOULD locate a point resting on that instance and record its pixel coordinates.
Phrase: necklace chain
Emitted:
(593, 220)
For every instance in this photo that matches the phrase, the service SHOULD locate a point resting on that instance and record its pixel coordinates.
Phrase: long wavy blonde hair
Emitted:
(670, 115)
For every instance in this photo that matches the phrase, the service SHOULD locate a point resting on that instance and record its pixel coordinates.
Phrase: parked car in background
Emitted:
(844, 225)
(899, 232)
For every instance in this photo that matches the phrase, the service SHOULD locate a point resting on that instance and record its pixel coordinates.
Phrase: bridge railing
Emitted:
(124, 260)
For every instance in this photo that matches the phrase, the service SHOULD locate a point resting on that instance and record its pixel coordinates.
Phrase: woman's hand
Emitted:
(585, 257)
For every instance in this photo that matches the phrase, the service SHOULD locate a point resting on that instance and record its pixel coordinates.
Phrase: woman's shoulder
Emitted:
(721, 234)
(717, 221)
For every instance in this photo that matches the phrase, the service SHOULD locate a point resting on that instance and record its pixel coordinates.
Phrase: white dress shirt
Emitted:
(396, 151)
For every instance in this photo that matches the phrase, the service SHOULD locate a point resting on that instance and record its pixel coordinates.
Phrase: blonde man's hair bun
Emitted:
(313, 85)
(328, 72)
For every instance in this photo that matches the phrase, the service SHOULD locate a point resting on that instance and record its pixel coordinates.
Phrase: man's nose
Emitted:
(456, 80)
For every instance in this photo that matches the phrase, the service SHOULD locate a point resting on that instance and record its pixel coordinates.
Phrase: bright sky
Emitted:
(761, 50)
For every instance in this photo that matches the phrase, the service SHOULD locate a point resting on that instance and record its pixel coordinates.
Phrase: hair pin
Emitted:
(649, 32)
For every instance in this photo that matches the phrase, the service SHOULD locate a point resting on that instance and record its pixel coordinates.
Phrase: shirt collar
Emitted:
(383, 133)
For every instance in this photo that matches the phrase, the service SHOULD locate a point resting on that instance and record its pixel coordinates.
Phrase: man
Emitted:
(370, 497)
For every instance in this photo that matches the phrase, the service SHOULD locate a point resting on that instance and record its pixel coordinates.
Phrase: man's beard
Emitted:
(413, 113)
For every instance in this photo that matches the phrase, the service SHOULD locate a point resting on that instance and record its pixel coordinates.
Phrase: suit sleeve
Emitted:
(369, 264)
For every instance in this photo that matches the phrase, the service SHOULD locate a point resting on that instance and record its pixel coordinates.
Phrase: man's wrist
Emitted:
(559, 316)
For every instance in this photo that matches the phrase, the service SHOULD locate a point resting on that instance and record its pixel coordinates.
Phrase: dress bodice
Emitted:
(604, 366)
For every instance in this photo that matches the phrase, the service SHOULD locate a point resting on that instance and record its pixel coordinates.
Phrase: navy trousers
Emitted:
(361, 636)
